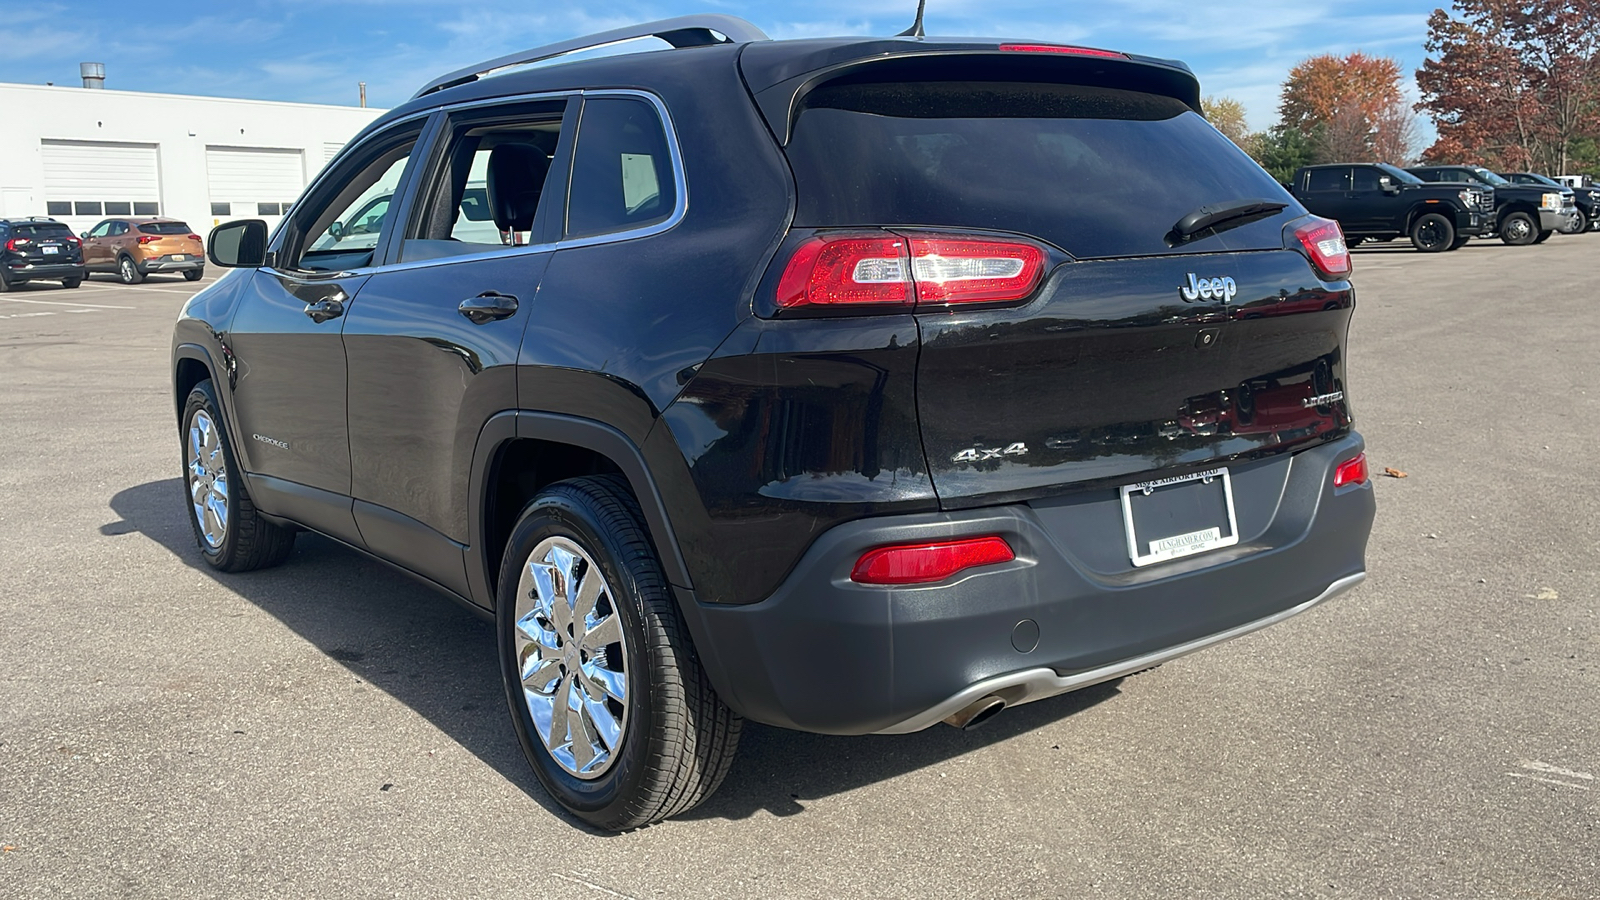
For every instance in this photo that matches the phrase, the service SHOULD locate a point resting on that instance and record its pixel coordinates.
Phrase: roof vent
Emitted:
(94, 75)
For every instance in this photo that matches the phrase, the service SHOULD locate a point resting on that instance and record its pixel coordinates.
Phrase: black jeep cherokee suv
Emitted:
(39, 249)
(848, 385)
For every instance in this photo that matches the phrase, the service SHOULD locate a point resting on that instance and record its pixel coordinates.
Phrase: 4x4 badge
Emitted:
(1208, 289)
(977, 454)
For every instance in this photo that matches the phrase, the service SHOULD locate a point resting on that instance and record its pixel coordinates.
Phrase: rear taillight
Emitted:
(73, 241)
(921, 269)
(148, 238)
(1323, 243)
(17, 243)
(1067, 51)
(1351, 471)
(928, 563)
(194, 237)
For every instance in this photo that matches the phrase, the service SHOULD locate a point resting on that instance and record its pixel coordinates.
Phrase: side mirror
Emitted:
(337, 231)
(84, 235)
(1387, 185)
(238, 245)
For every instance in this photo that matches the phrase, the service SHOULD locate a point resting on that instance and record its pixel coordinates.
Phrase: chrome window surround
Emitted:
(680, 206)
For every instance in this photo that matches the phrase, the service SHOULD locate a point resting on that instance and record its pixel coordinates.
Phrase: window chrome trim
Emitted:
(681, 188)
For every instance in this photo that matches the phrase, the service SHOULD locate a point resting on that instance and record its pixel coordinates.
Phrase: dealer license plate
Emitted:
(179, 256)
(1175, 517)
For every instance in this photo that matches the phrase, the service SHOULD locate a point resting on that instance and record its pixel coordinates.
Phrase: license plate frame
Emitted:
(1177, 546)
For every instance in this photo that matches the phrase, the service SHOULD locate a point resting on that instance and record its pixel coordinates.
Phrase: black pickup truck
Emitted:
(1587, 199)
(1376, 201)
(1523, 213)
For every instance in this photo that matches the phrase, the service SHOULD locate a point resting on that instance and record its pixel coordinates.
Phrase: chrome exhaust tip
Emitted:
(976, 713)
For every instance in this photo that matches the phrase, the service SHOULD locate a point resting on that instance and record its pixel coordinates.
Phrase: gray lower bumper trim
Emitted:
(1029, 685)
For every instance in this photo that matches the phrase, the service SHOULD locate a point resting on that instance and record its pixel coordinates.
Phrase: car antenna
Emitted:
(916, 27)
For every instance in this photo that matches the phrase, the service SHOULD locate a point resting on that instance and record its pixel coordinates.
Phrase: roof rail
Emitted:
(682, 31)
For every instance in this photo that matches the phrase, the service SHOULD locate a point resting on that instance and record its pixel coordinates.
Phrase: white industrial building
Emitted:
(78, 154)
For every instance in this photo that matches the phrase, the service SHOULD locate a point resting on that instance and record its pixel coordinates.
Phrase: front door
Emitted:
(96, 254)
(289, 388)
(432, 340)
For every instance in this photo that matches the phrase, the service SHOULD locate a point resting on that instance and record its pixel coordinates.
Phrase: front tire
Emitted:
(1543, 236)
(608, 699)
(1460, 241)
(1518, 229)
(128, 271)
(1432, 233)
(232, 535)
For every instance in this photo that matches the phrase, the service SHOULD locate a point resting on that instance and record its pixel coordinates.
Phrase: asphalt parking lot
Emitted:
(331, 729)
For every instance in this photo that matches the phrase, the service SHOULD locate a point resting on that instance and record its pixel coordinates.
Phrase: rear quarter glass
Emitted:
(1096, 171)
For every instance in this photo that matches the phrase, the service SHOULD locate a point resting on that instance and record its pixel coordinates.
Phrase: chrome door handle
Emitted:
(488, 306)
(327, 308)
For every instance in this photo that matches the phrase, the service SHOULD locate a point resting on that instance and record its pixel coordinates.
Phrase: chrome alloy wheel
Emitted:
(208, 479)
(572, 657)
(126, 271)
(1518, 229)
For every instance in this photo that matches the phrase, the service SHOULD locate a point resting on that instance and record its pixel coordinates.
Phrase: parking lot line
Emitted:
(64, 303)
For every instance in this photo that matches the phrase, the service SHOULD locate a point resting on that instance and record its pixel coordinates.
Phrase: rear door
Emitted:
(1142, 352)
(432, 340)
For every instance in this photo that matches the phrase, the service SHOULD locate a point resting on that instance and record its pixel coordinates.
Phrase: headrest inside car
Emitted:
(516, 178)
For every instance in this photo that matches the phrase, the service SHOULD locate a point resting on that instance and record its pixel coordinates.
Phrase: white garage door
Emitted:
(253, 182)
(85, 180)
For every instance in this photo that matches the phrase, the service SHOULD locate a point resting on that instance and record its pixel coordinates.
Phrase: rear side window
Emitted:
(1327, 180)
(47, 230)
(622, 176)
(164, 228)
(1100, 172)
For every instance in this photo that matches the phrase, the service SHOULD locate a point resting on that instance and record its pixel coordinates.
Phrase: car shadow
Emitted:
(438, 658)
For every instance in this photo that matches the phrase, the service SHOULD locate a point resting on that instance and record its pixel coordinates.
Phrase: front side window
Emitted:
(622, 174)
(1364, 179)
(340, 226)
(101, 230)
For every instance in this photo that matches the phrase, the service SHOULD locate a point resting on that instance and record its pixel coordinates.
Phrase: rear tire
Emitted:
(70, 283)
(232, 535)
(1432, 233)
(5, 284)
(1518, 229)
(128, 271)
(193, 274)
(623, 762)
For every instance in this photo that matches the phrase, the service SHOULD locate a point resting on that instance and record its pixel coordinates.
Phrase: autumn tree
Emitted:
(1513, 84)
(1227, 116)
(1353, 104)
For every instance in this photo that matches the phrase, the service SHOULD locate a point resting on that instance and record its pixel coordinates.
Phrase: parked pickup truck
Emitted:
(1524, 214)
(1376, 201)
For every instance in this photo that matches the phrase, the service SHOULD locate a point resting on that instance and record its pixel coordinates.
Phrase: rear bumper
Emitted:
(171, 265)
(828, 655)
(42, 271)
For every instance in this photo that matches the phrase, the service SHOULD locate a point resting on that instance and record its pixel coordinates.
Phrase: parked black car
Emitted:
(39, 249)
(1377, 201)
(850, 385)
(1524, 214)
(1586, 199)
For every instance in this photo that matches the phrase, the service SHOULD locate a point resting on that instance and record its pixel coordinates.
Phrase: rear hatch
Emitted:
(1144, 351)
(173, 241)
(45, 243)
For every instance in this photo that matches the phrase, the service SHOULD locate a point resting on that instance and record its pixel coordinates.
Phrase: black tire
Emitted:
(1351, 243)
(1432, 233)
(128, 271)
(679, 738)
(5, 283)
(70, 283)
(248, 541)
(1460, 241)
(1518, 229)
(193, 274)
(1543, 236)
(1581, 222)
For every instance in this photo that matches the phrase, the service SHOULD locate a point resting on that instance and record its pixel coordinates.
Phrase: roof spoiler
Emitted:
(680, 32)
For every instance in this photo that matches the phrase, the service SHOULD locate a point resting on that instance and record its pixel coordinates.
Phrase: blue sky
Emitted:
(317, 50)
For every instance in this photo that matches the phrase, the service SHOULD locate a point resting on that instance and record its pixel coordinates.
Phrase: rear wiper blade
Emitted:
(1232, 213)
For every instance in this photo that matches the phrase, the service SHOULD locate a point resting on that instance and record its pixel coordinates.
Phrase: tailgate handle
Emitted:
(488, 306)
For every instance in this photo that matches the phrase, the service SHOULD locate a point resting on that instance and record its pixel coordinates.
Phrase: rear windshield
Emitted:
(50, 230)
(1099, 172)
(164, 228)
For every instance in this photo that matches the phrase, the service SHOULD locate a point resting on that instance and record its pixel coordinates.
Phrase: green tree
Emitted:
(1282, 149)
